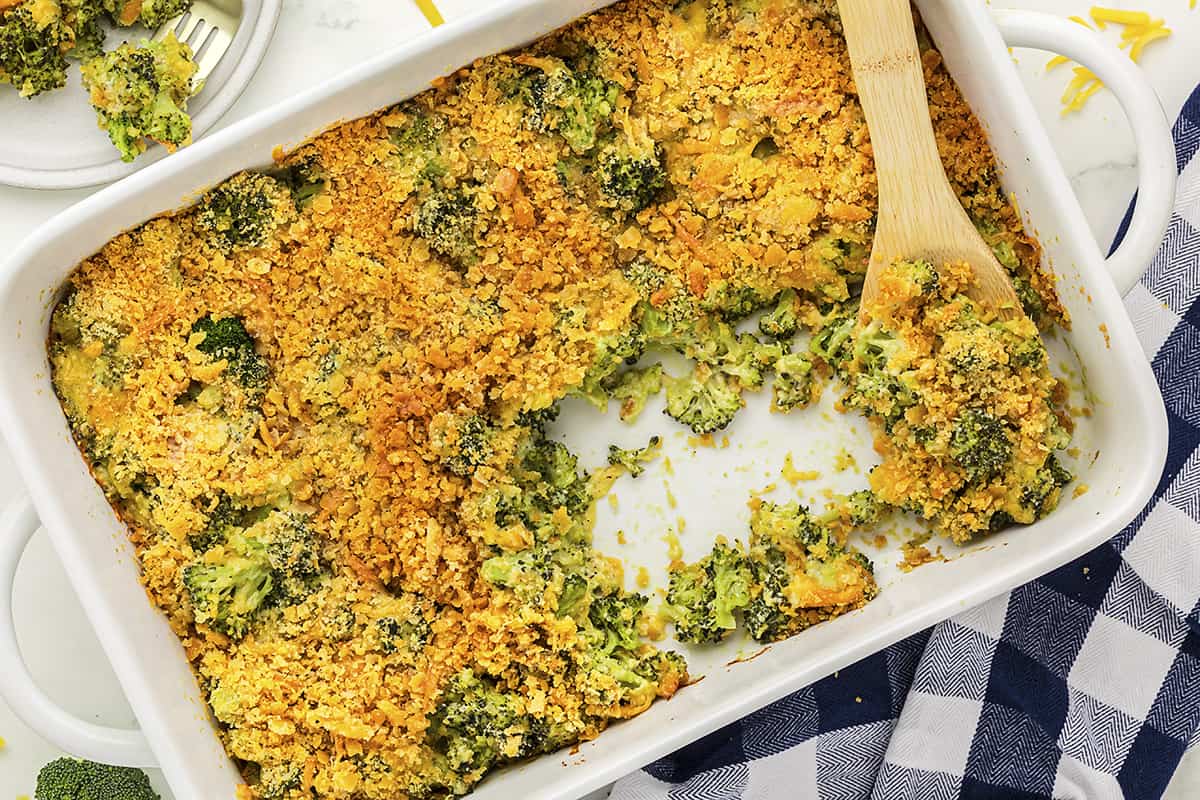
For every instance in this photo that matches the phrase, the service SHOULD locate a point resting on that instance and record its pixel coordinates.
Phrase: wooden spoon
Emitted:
(920, 216)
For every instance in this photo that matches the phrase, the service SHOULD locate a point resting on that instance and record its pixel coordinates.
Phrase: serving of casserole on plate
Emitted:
(324, 403)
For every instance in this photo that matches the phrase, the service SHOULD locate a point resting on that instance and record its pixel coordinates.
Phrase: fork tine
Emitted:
(214, 48)
(175, 24)
(197, 35)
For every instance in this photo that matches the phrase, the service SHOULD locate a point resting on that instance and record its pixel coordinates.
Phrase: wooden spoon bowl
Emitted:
(920, 216)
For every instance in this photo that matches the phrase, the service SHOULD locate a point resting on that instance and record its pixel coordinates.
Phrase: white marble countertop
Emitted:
(317, 38)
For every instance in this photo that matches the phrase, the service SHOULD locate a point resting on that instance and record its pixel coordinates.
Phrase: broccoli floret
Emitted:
(467, 445)
(156, 12)
(555, 479)
(140, 92)
(410, 634)
(446, 221)
(979, 443)
(740, 356)
(31, 54)
(1040, 496)
(706, 401)
(1031, 301)
(149, 13)
(224, 519)
(226, 339)
(526, 572)
(340, 624)
(575, 104)
(277, 781)
(782, 322)
(83, 19)
(795, 383)
(863, 508)
(834, 342)
(615, 618)
(631, 176)
(801, 574)
(878, 384)
(647, 278)
(611, 353)
(74, 779)
(1029, 352)
(634, 460)
(305, 176)
(536, 420)
(293, 551)
(274, 561)
(231, 586)
(245, 210)
(478, 724)
(703, 597)
(633, 387)
(732, 301)
(418, 142)
(921, 274)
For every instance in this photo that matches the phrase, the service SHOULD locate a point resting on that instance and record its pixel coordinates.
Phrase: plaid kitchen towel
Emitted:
(1082, 684)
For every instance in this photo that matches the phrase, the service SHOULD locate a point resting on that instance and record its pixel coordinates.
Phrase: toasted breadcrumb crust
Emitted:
(371, 338)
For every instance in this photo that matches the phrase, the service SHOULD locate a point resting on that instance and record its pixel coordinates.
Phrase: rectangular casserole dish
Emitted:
(1127, 433)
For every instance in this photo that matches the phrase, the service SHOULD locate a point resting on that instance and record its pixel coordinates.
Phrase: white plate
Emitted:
(52, 141)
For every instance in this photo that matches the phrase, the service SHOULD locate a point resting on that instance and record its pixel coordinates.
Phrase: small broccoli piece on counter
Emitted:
(226, 339)
(149, 13)
(32, 47)
(783, 321)
(246, 210)
(140, 92)
(795, 384)
(966, 412)
(703, 597)
(802, 575)
(706, 401)
(634, 460)
(631, 175)
(446, 221)
(75, 779)
(574, 100)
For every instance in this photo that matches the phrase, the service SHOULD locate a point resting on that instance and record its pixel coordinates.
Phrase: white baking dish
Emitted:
(1127, 432)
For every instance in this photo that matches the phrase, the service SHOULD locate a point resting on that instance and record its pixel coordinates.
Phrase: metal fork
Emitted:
(208, 28)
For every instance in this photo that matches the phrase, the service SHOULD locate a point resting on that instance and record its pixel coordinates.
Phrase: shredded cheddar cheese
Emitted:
(431, 12)
(1140, 30)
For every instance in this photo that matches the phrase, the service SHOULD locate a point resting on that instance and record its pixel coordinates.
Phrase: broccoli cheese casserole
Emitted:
(320, 397)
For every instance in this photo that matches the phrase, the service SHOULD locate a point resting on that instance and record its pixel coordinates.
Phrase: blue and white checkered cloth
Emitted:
(1082, 684)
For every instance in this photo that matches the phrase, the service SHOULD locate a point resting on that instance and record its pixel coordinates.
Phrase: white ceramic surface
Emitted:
(52, 141)
(1079, 252)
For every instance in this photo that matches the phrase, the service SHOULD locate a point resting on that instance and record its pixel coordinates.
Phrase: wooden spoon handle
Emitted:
(890, 82)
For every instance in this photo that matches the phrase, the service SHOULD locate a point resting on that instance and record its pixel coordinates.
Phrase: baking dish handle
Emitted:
(117, 746)
(1157, 171)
